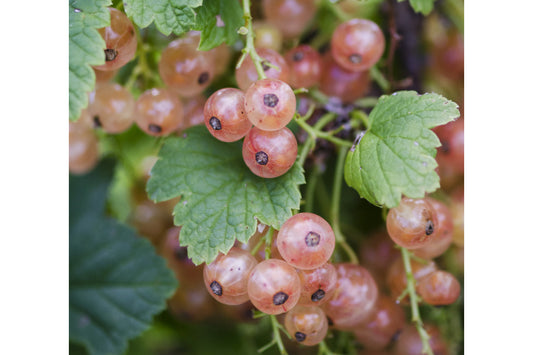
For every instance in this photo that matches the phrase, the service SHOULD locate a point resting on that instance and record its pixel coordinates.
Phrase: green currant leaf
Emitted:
(214, 32)
(117, 282)
(397, 153)
(86, 48)
(421, 6)
(170, 16)
(221, 199)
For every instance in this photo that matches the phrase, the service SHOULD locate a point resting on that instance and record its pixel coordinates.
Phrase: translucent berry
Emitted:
(226, 278)
(451, 154)
(82, 148)
(273, 64)
(409, 342)
(270, 104)
(439, 288)
(159, 112)
(306, 241)
(387, 320)
(111, 107)
(307, 325)
(397, 281)
(120, 41)
(443, 235)
(103, 76)
(193, 111)
(224, 115)
(291, 17)
(457, 209)
(342, 84)
(357, 44)
(376, 253)
(318, 285)
(274, 286)
(304, 66)
(267, 36)
(184, 69)
(269, 154)
(412, 224)
(355, 297)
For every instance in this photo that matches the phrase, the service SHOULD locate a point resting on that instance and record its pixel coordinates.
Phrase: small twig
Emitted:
(394, 38)
(335, 205)
(415, 313)
(250, 48)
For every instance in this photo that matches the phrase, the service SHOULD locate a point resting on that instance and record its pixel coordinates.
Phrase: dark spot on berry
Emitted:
(215, 123)
(318, 295)
(180, 253)
(96, 121)
(264, 65)
(355, 58)
(270, 100)
(445, 147)
(216, 288)
(280, 298)
(261, 158)
(312, 239)
(395, 336)
(299, 336)
(429, 227)
(203, 78)
(110, 54)
(330, 321)
(154, 128)
(298, 56)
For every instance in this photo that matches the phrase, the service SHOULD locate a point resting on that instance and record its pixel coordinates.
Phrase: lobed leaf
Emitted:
(222, 200)
(397, 153)
(86, 48)
(170, 16)
(421, 6)
(117, 282)
(219, 21)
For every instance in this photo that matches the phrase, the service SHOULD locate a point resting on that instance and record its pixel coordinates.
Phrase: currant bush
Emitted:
(233, 206)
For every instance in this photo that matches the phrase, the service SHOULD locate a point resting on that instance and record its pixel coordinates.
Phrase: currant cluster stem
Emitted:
(335, 206)
(415, 313)
(250, 48)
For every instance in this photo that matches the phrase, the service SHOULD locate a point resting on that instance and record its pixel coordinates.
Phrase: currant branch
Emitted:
(415, 313)
(249, 48)
(335, 206)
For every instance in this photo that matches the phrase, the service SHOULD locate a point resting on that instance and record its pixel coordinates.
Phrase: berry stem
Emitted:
(310, 188)
(415, 313)
(332, 6)
(250, 48)
(277, 337)
(316, 133)
(359, 116)
(268, 242)
(324, 350)
(309, 144)
(380, 79)
(335, 205)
